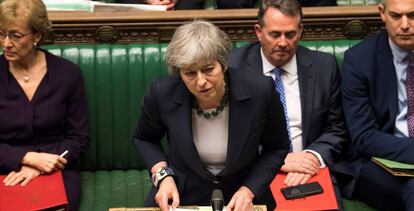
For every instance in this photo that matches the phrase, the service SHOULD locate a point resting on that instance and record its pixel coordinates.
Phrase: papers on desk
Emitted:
(68, 5)
(109, 7)
(184, 208)
(395, 168)
(95, 6)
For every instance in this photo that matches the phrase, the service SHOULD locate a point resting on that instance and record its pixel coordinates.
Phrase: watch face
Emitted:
(162, 172)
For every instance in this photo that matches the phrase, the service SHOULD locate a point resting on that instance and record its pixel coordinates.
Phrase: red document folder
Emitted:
(323, 201)
(45, 191)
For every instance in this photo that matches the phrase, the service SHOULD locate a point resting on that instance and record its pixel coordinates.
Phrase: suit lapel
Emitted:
(180, 123)
(306, 89)
(254, 59)
(240, 120)
(386, 71)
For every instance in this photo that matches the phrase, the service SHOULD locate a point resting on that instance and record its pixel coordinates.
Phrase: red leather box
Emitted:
(44, 192)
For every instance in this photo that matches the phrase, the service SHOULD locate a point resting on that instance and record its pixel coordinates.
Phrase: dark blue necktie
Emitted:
(281, 90)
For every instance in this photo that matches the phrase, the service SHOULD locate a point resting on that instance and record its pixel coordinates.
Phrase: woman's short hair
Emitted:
(33, 12)
(198, 41)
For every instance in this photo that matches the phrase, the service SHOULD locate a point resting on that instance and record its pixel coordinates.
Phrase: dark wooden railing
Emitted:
(320, 23)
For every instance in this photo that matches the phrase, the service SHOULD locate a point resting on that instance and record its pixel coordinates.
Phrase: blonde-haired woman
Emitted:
(42, 102)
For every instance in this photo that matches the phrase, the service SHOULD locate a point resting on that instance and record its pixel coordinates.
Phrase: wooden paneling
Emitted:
(321, 23)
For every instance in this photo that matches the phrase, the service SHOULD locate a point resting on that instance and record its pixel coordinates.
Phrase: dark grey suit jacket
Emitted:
(323, 127)
(255, 118)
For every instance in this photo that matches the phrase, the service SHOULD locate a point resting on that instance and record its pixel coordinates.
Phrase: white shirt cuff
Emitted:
(318, 156)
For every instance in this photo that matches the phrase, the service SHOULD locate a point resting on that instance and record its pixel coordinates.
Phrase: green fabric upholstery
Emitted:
(355, 205)
(104, 189)
(115, 81)
(116, 78)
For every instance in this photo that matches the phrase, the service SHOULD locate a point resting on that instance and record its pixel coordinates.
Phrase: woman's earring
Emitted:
(35, 44)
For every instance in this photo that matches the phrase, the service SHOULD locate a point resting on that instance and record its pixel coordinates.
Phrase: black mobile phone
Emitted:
(301, 191)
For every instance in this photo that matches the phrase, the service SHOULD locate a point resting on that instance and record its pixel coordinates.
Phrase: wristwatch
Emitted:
(160, 174)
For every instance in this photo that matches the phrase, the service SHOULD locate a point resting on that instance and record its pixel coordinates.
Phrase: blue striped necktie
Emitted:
(281, 90)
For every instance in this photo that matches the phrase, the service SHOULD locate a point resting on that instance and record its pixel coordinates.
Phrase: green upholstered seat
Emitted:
(116, 78)
(118, 188)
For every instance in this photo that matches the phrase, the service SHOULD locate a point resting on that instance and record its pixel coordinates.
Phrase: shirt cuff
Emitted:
(318, 156)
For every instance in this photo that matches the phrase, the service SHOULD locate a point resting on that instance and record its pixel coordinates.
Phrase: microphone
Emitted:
(217, 200)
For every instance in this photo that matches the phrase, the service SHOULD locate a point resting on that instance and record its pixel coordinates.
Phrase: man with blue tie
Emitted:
(309, 85)
(378, 99)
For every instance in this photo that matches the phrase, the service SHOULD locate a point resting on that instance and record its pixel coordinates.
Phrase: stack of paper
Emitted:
(395, 168)
(110, 7)
(95, 6)
(69, 5)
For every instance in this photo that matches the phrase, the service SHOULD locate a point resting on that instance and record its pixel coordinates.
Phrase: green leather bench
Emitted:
(116, 77)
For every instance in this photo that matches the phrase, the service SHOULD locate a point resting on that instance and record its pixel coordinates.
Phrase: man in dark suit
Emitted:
(377, 94)
(311, 86)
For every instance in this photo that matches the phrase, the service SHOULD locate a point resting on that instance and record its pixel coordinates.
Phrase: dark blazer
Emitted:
(53, 121)
(308, 3)
(323, 127)
(255, 118)
(370, 100)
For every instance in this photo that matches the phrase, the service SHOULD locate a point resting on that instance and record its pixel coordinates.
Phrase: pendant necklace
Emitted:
(26, 76)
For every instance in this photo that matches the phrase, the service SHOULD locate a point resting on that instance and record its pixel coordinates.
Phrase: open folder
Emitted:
(44, 192)
(323, 201)
(395, 168)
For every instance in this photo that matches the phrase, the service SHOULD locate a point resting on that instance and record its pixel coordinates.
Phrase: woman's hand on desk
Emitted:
(167, 190)
(24, 176)
(44, 162)
(242, 200)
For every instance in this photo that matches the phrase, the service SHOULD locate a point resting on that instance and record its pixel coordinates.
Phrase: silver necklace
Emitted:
(26, 76)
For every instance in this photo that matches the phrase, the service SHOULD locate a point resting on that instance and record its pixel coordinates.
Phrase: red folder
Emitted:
(323, 201)
(45, 191)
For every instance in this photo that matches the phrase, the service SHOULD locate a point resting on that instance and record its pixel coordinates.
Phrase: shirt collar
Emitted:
(398, 53)
(290, 67)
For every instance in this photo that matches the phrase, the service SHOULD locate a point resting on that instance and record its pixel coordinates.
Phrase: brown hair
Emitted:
(31, 11)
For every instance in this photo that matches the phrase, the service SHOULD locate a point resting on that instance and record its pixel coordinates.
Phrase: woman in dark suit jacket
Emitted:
(42, 102)
(215, 120)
